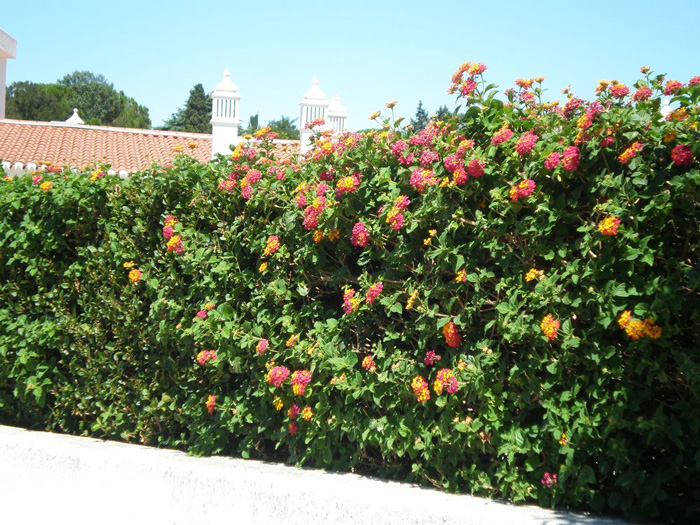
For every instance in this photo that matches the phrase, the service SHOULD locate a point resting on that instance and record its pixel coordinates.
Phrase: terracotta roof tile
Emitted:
(123, 148)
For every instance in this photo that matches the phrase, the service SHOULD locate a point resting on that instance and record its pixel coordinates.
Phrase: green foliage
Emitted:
(85, 350)
(285, 128)
(43, 102)
(421, 119)
(195, 116)
(96, 99)
(443, 113)
(100, 104)
(253, 126)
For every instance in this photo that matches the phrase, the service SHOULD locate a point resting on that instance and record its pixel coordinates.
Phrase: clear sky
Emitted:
(369, 52)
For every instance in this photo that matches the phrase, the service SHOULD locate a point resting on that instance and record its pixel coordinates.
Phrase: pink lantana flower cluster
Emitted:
(522, 189)
(300, 378)
(360, 236)
(373, 292)
(422, 178)
(261, 346)
(277, 375)
(446, 381)
(174, 242)
(205, 356)
(350, 302)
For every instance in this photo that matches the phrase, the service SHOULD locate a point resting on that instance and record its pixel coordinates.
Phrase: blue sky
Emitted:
(369, 52)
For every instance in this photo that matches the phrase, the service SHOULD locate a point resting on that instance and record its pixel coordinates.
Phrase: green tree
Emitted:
(96, 99)
(253, 126)
(132, 115)
(285, 128)
(30, 101)
(195, 116)
(442, 113)
(99, 103)
(421, 119)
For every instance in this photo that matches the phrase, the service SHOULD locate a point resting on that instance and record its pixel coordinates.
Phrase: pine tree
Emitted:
(195, 116)
(421, 119)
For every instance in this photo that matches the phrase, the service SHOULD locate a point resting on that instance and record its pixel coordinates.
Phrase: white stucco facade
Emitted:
(8, 49)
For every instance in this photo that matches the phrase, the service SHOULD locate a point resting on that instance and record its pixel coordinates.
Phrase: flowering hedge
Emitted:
(505, 303)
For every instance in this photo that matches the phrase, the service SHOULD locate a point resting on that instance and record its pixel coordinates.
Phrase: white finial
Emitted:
(75, 118)
(226, 85)
(315, 92)
(666, 109)
(336, 109)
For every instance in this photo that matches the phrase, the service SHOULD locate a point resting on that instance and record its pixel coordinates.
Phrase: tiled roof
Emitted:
(77, 146)
(125, 149)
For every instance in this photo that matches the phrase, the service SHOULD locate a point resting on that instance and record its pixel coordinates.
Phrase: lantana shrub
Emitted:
(546, 254)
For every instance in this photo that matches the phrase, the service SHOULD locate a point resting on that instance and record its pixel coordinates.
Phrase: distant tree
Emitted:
(421, 119)
(253, 126)
(132, 115)
(96, 99)
(30, 101)
(442, 113)
(285, 128)
(194, 116)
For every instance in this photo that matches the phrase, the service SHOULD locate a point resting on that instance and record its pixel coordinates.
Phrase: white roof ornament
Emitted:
(336, 109)
(75, 119)
(315, 92)
(666, 109)
(226, 85)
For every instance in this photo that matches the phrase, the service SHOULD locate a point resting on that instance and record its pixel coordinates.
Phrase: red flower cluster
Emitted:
(549, 480)
(672, 87)
(205, 356)
(277, 375)
(315, 122)
(300, 378)
(525, 143)
(522, 189)
(271, 246)
(350, 302)
(475, 168)
(373, 292)
(397, 149)
(619, 90)
(428, 157)
(168, 227)
(210, 403)
(261, 346)
(552, 161)
(445, 380)
(431, 358)
(630, 152)
(421, 178)
(250, 178)
(642, 93)
(420, 389)
(682, 155)
(502, 135)
(637, 329)
(549, 327)
(359, 237)
(348, 184)
(452, 337)
(465, 86)
(609, 226)
(570, 158)
(369, 364)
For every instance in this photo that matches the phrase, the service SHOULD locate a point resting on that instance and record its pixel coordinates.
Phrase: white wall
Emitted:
(8, 49)
(51, 478)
